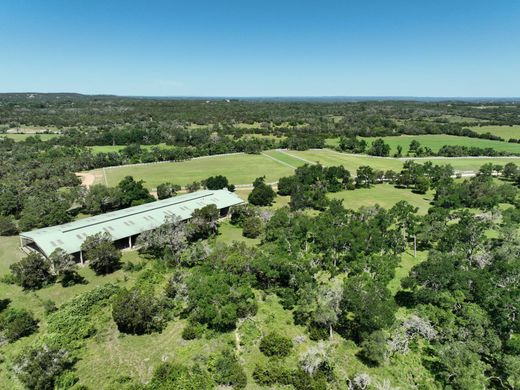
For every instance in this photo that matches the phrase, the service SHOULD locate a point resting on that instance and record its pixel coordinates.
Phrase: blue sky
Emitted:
(262, 48)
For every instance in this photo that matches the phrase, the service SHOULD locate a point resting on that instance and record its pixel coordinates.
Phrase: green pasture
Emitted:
(351, 162)
(238, 168)
(436, 141)
(469, 163)
(23, 137)
(274, 164)
(116, 148)
(506, 132)
(263, 136)
(384, 195)
(457, 119)
(243, 125)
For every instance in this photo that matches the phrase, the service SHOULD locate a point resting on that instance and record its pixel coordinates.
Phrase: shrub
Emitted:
(241, 212)
(7, 226)
(102, 255)
(275, 345)
(167, 190)
(64, 267)
(193, 331)
(273, 373)
(203, 222)
(216, 182)
(513, 345)
(176, 285)
(269, 374)
(286, 185)
(133, 267)
(374, 348)
(16, 323)
(300, 380)
(195, 186)
(262, 194)
(252, 227)
(40, 367)
(137, 312)
(32, 272)
(317, 332)
(174, 376)
(4, 303)
(218, 298)
(133, 193)
(228, 372)
(76, 319)
(49, 307)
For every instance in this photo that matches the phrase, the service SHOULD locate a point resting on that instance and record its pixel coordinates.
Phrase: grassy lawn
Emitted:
(229, 233)
(116, 148)
(239, 169)
(352, 163)
(457, 118)
(111, 354)
(403, 269)
(285, 157)
(436, 141)
(263, 136)
(274, 164)
(469, 163)
(506, 132)
(23, 137)
(9, 253)
(385, 195)
(242, 125)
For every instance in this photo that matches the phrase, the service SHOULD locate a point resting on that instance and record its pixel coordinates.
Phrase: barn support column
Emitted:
(130, 242)
(81, 257)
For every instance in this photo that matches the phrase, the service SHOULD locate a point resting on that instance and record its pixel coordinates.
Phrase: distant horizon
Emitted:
(281, 97)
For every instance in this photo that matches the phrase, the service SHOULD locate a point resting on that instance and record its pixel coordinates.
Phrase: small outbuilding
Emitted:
(124, 225)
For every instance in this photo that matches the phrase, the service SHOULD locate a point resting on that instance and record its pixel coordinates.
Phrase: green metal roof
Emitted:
(127, 222)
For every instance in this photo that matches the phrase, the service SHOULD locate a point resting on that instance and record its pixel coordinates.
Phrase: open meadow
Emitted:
(384, 195)
(437, 141)
(23, 137)
(242, 169)
(116, 148)
(506, 132)
(238, 168)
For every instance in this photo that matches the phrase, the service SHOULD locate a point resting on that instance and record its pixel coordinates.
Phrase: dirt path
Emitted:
(90, 178)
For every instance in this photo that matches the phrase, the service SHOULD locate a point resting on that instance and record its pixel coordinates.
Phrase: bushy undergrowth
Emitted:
(76, 320)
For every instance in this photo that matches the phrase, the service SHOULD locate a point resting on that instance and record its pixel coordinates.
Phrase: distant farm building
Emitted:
(124, 225)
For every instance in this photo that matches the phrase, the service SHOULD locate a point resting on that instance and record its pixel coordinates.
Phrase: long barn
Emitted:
(123, 225)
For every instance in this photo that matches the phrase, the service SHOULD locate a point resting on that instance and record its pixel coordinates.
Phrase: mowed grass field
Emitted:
(384, 195)
(469, 163)
(23, 137)
(116, 148)
(238, 168)
(437, 141)
(506, 132)
(351, 162)
(274, 164)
